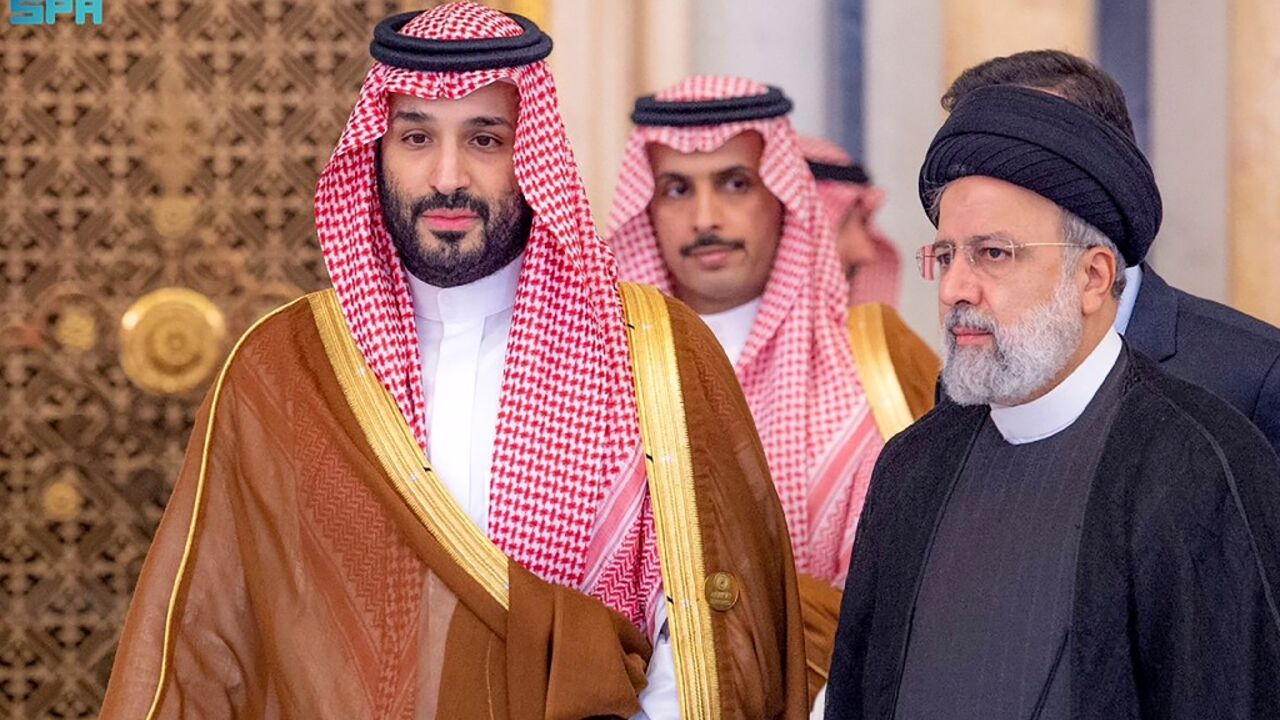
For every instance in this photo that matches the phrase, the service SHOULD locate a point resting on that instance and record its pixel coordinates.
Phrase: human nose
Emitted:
(450, 174)
(960, 283)
(707, 213)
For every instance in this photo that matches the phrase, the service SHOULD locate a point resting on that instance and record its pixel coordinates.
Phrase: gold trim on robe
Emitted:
(199, 639)
(889, 357)
(166, 651)
(401, 457)
(669, 466)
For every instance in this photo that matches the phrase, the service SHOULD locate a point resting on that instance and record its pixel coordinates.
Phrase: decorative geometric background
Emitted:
(176, 144)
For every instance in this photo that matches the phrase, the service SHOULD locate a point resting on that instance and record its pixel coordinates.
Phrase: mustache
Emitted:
(706, 240)
(970, 317)
(459, 200)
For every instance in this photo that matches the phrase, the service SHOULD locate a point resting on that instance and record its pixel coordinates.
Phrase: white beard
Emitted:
(1023, 357)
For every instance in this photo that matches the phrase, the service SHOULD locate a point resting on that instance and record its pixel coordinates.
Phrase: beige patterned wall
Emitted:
(175, 146)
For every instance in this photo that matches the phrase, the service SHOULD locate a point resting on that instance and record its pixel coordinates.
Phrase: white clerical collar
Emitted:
(1054, 411)
(476, 300)
(732, 327)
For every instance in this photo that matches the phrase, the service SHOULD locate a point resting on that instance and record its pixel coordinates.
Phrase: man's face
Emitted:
(447, 184)
(1006, 337)
(853, 238)
(717, 224)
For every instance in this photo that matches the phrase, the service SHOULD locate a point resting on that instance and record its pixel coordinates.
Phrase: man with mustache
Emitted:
(464, 482)
(716, 206)
(1073, 533)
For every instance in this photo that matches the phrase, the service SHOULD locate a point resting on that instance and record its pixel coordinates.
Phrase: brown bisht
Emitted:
(296, 574)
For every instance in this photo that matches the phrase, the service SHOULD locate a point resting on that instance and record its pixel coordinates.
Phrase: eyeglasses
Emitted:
(992, 257)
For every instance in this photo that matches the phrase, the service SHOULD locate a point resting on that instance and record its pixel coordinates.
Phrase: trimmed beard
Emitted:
(505, 225)
(1023, 357)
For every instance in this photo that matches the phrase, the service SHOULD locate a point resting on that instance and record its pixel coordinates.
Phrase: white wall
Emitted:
(903, 50)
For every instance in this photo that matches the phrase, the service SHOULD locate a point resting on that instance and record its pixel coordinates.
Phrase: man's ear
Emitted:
(1100, 268)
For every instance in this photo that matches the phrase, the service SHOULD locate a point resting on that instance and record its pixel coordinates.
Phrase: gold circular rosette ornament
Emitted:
(171, 340)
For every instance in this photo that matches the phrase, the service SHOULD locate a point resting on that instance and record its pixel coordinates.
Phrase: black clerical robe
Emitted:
(1174, 605)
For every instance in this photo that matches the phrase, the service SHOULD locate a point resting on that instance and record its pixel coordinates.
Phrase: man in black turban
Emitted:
(1073, 532)
(1227, 352)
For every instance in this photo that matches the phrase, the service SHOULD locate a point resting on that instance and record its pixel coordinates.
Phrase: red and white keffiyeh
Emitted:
(879, 280)
(568, 496)
(797, 368)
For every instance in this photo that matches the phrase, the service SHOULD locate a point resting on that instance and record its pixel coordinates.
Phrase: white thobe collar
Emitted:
(1054, 411)
(732, 327)
(463, 344)
(475, 300)
(1128, 297)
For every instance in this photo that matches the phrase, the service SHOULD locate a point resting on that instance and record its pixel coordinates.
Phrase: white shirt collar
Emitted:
(732, 327)
(1129, 296)
(476, 300)
(1054, 411)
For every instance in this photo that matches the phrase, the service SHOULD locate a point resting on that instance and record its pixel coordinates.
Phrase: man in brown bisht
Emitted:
(716, 206)
(478, 478)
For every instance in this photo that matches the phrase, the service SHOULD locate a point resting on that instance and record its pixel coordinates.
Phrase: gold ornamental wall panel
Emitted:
(157, 173)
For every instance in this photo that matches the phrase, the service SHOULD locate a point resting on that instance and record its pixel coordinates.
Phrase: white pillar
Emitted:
(1189, 135)
(903, 51)
(783, 44)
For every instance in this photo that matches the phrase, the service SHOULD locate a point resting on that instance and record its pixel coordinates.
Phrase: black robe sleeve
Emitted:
(1207, 630)
(1203, 501)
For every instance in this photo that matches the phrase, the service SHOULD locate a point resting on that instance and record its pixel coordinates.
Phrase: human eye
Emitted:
(994, 253)
(674, 189)
(943, 254)
(737, 183)
(415, 138)
(486, 142)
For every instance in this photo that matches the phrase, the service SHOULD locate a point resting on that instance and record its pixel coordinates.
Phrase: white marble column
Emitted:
(783, 44)
(903, 51)
(1189, 139)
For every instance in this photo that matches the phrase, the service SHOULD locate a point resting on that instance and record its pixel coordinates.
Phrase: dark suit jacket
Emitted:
(1233, 355)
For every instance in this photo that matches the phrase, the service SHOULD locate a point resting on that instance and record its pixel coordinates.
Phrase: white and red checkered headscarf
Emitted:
(879, 280)
(797, 367)
(568, 496)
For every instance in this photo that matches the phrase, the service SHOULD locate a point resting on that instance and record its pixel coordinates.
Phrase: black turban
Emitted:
(1055, 149)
